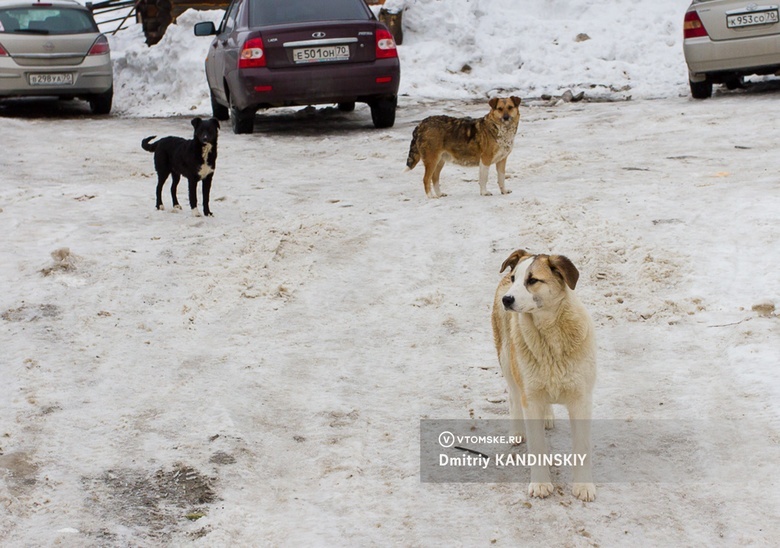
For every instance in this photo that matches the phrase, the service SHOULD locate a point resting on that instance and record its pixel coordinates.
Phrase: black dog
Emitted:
(195, 159)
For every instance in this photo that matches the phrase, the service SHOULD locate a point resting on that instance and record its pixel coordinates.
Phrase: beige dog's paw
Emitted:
(507, 191)
(486, 193)
(540, 490)
(584, 491)
(195, 212)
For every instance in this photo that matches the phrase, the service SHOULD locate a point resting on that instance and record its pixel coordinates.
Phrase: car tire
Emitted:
(242, 121)
(100, 103)
(734, 82)
(347, 107)
(220, 111)
(383, 112)
(701, 90)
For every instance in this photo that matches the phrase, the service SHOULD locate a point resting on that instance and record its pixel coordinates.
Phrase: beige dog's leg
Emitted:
(580, 417)
(541, 485)
(483, 177)
(549, 418)
(501, 171)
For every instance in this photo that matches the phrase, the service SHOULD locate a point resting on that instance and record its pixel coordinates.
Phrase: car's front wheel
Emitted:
(243, 121)
(383, 112)
(701, 90)
(100, 103)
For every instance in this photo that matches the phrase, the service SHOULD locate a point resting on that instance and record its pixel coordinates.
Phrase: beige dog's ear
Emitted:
(514, 258)
(493, 102)
(516, 100)
(566, 269)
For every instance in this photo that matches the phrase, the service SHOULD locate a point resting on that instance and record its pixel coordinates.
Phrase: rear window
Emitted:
(46, 21)
(282, 12)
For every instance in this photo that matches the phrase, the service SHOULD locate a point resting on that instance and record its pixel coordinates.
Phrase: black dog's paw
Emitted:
(160, 207)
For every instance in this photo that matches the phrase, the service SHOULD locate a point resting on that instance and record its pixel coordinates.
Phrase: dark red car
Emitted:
(273, 53)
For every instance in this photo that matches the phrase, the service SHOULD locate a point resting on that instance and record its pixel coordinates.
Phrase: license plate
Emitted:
(321, 54)
(751, 18)
(52, 79)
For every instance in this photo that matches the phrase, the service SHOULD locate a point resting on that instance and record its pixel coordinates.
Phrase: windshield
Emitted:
(46, 21)
(281, 12)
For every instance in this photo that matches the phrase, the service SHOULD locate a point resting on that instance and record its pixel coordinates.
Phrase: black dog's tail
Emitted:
(151, 147)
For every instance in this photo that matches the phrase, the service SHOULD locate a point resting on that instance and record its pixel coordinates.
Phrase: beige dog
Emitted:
(546, 348)
(466, 141)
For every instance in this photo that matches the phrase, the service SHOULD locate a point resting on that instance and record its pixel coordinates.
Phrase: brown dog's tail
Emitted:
(414, 151)
(151, 147)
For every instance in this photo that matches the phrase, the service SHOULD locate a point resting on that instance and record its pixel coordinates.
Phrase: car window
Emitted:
(280, 12)
(229, 22)
(46, 21)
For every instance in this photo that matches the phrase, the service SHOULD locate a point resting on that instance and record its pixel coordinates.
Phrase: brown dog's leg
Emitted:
(436, 173)
(501, 171)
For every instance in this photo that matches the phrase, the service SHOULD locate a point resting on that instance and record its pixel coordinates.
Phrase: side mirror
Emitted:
(205, 28)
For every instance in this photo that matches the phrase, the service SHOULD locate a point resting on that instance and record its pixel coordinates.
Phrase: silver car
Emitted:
(54, 48)
(725, 40)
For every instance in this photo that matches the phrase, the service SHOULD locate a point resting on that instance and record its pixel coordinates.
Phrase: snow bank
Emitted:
(456, 49)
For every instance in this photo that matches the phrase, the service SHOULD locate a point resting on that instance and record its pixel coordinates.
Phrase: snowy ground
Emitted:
(267, 368)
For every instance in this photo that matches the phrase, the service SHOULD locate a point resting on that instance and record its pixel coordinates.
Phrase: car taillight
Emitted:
(3, 53)
(252, 54)
(385, 45)
(100, 47)
(692, 26)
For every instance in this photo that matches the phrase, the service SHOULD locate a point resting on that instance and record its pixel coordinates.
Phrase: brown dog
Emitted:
(466, 141)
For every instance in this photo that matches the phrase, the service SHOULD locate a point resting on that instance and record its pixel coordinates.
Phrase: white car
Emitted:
(725, 40)
(54, 48)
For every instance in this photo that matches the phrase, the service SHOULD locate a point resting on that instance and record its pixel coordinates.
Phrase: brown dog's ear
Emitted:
(514, 258)
(516, 100)
(196, 122)
(493, 102)
(566, 269)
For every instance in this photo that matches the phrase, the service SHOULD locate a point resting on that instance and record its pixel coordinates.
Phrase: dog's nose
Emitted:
(508, 300)
(507, 117)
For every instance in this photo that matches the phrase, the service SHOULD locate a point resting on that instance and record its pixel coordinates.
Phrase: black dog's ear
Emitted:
(216, 122)
(196, 122)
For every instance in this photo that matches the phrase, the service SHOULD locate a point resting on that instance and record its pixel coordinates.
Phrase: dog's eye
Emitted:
(512, 277)
(532, 281)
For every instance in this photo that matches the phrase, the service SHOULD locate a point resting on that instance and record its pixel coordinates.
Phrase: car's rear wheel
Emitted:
(735, 81)
(220, 111)
(347, 107)
(100, 103)
(383, 112)
(701, 90)
(243, 121)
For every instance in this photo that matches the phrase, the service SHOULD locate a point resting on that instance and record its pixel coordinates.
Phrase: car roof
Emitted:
(5, 4)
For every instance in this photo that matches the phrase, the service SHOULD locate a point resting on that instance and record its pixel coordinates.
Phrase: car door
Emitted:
(217, 65)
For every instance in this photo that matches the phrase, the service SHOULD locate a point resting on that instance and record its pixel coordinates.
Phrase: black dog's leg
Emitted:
(193, 195)
(206, 192)
(174, 185)
(161, 176)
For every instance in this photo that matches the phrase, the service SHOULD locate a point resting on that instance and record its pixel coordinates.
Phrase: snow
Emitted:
(258, 378)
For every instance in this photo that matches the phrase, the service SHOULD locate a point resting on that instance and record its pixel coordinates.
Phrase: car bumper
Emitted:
(746, 56)
(93, 75)
(263, 87)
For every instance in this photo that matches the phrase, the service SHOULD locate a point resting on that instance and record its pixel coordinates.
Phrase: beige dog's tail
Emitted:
(414, 151)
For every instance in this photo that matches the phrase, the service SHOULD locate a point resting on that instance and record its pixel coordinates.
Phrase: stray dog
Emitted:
(467, 142)
(546, 347)
(194, 159)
